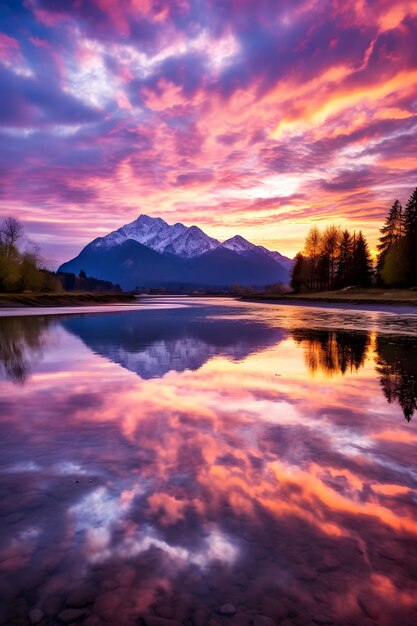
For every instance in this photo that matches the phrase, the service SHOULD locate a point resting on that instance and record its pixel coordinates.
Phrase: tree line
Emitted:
(23, 269)
(336, 258)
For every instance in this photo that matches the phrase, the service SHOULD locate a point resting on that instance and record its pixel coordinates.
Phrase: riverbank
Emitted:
(398, 297)
(9, 300)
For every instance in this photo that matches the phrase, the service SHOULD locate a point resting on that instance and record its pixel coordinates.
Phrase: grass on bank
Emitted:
(361, 295)
(62, 299)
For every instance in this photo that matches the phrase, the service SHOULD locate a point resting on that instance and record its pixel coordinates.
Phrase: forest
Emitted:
(22, 268)
(336, 258)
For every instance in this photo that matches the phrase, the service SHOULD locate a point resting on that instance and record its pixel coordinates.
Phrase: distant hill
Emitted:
(151, 253)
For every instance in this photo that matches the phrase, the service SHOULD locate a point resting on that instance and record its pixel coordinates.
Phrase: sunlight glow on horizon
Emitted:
(250, 118)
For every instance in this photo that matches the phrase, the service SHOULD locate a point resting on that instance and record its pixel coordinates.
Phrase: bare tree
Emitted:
(11, 231)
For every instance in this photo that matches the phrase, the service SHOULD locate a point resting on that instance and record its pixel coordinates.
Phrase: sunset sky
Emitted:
(257, 117)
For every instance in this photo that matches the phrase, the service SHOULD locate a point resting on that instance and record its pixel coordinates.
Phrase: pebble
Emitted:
(227, 609)
(35, 616)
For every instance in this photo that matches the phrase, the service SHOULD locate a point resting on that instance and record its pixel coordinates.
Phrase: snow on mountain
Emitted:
(279, 258)
(238, 244)
(156, 234)
(191, 242)
(243, 246)
(179, 240)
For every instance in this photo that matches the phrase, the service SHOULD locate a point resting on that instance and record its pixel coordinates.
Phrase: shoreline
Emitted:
(324, 300)
(364, 301)
(38, 300)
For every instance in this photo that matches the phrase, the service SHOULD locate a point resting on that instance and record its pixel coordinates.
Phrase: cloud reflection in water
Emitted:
(228, 473)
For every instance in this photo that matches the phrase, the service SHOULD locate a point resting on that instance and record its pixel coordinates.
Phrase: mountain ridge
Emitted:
(150, 252)
(157, 234)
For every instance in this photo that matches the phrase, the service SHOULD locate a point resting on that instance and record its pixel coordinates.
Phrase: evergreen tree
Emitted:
(301, 272)
(391, 233)
(394, 270)
(361, 262)
(323, 271)
(410, 233)
(344, 259)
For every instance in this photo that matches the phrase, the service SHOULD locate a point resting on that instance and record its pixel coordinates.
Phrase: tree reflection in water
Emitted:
(22, 341)
(397, 367)
(333, 352)
(336, 352)
(177, 481)
(329, 352)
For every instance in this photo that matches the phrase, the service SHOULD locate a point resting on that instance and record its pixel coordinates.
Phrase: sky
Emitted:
(240, 116)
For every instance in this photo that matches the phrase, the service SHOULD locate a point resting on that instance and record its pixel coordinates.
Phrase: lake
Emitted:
(208, 462)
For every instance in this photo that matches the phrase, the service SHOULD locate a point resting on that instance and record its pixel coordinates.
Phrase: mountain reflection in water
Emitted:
(234, 458)
(156, 342)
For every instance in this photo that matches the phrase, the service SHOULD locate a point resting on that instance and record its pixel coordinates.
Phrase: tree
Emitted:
(83, 274)
(11, 231)
(344, 265)
(394, 270)
(391, 234)
(361, 262)
(410, 234)
(312, 249)
(301, 272)
(330, 244)
(31, 278)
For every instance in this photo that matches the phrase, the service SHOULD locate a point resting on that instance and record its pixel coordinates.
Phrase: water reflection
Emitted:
(244, 481)
(397, 367)
(336, 352)
(156, 342)
(22, 342)
(333, 352)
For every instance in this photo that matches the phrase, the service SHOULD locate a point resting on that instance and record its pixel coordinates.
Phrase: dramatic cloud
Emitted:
(256, 117)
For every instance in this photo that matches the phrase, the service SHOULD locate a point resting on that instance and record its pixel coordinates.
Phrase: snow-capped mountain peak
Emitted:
(156, 234)
(179, 240)
(242, 246)
(238, 244)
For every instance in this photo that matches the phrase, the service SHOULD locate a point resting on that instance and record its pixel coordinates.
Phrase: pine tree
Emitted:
(300, 273)
(361, 262)
(344, 259)
(410, 233)
(391, 233)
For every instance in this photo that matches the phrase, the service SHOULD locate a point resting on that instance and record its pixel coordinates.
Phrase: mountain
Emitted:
(151, 253)
(243, 246)
(153, 343)
(156, 234)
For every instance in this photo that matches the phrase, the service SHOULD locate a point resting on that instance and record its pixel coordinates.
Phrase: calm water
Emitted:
(170, 461)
